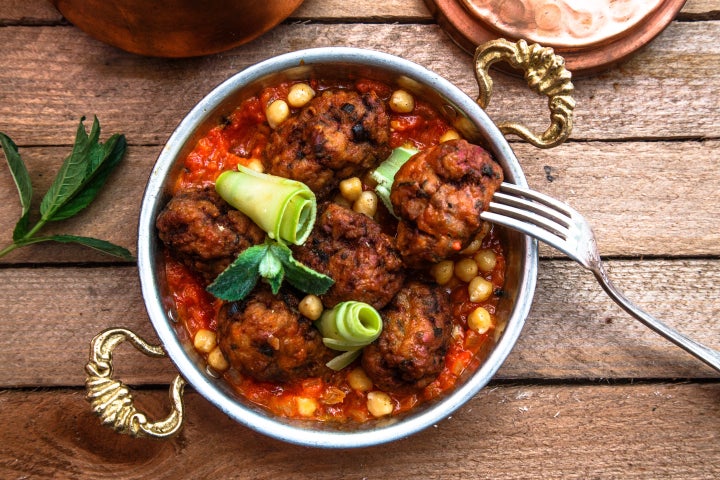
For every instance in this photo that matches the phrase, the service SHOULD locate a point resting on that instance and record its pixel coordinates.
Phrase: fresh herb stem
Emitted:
(8, 249)
(76, 185)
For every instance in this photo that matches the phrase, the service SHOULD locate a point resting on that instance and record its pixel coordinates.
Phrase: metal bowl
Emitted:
(345, 63)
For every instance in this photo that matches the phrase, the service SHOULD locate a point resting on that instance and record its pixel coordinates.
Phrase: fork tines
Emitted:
(530, 212)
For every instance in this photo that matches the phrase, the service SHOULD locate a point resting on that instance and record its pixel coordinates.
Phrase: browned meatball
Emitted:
(339, 134)
(351, 248)
(439, 195)
(266, 338)
(410, 351)
(204, 232)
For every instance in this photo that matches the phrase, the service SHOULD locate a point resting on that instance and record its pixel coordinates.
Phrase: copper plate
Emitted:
(591, 36)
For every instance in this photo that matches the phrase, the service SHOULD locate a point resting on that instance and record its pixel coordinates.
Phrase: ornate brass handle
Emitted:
(545, 73)
(112, 401)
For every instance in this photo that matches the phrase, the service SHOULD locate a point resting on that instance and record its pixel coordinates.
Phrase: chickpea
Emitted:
(351, 188)
(473, 247)
(366, 203)
(449, 135)
(216, 360)
(358, 380)
(277, 112)
(401, 102)
(311, 307)
(300, 94)
(256, 164)
(479, 289)
(306, 406)
(205, 340)
(486, 260)
(443, 271)
(466, 269)
(480, 320)
(379, 404)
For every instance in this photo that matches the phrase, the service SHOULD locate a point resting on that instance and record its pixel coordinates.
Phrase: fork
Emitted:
(562, 227)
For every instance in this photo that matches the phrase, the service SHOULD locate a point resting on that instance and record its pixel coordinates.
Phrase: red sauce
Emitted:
(240, 139)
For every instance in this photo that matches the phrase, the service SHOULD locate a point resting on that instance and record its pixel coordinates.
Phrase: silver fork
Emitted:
(562, 227)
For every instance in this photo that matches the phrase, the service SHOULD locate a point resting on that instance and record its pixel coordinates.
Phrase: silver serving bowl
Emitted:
(346, 63)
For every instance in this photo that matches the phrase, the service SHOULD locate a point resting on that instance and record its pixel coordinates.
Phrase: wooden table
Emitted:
(587, 392)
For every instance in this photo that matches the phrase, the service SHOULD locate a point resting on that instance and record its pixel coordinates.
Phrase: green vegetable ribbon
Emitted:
(284, 208)
(349, 327)
(384, 174)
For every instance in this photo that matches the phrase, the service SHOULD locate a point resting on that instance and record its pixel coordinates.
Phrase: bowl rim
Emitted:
(182, 357)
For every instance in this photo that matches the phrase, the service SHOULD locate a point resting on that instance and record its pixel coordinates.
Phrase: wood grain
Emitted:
(50, 76)
(574, 331)
(523, 431)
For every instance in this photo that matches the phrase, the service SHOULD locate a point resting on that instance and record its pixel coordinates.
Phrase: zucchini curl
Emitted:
(284, 208)
(348, 327)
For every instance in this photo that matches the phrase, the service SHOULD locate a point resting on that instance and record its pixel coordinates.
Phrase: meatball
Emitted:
(351, 248)
(410, 352)
(339, 134)
(266, 338)
(439, 194)
(204, 232)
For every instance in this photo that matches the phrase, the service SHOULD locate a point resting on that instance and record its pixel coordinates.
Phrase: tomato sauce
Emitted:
(241, 139)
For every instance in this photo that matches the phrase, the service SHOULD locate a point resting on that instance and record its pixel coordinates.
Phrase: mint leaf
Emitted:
(271, 269)
(20, 175)
(301, 276)
(100, 245)
(104, 159)
(238, 279)
(272, 261)
(72, 173)
(76, 184)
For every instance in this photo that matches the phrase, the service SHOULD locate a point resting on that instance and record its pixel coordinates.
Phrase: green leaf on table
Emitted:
(111, 154)
(20, 175)
(97, 244)
(83, 173)
(77, 183)
(72, 173)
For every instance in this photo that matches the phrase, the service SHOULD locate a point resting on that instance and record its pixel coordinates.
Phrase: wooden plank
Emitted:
(701, 9)
(49, 76)
(338, 10)
(599, 179)
(574, 331)
(663, 430)
(28, 12)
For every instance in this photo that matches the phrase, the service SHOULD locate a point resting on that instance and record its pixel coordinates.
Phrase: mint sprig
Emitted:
(77, 183)
(272, 261)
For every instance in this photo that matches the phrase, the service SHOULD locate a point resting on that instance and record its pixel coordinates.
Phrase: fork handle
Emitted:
(708, 355)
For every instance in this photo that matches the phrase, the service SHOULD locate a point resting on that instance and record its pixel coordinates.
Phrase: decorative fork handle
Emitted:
(709, 356)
